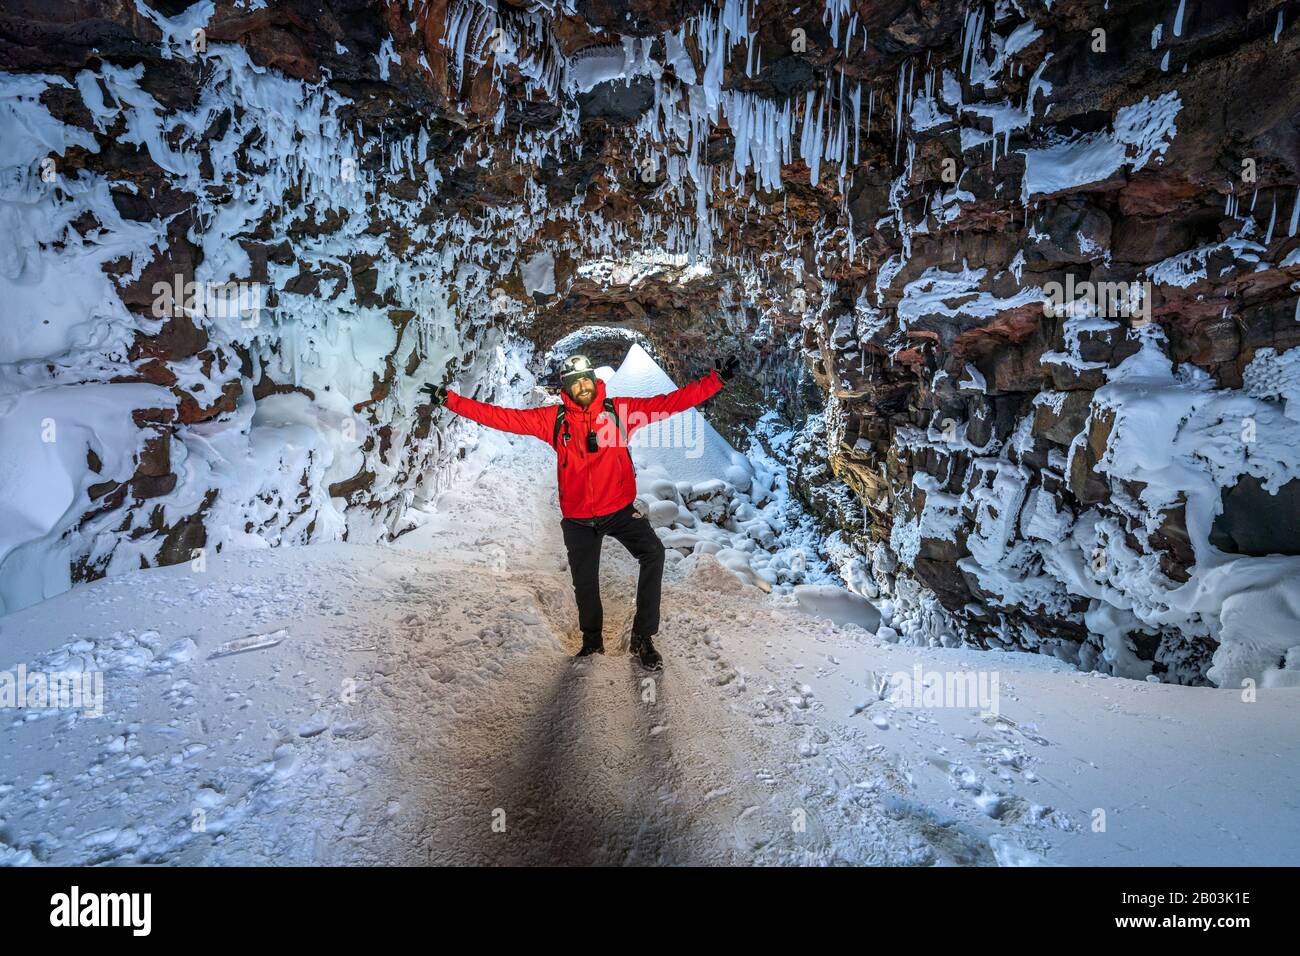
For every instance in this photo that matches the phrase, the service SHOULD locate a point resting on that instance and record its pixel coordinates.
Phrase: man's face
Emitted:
(583, 390)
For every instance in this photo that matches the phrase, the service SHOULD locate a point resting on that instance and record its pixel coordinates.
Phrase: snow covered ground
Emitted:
(420, 707)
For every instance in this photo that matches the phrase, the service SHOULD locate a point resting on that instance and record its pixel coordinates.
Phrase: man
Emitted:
(597, 483)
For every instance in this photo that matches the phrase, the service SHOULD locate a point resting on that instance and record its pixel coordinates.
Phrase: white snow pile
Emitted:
(48, 437)
(837, 604)
(684, 445)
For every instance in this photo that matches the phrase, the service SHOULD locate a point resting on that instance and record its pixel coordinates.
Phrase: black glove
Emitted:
(726, 367)
(437, 393)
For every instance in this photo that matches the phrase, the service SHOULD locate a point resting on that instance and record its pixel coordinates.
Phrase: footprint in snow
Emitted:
(314, 725)
(286, 762)
(208, 797)
(751, 833)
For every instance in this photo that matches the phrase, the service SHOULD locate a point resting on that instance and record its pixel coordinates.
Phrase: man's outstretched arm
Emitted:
(537, 422)
(658, 407)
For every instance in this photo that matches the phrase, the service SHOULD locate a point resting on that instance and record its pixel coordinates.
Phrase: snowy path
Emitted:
(420, 692)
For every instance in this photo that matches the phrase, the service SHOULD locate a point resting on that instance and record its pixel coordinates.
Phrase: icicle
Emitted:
(805, 147)
(898, 112)
(814, 167)
(1295, 214)
(843, 153)
(857, 123)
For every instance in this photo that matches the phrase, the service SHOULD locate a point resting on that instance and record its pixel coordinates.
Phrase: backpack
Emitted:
(609, 409)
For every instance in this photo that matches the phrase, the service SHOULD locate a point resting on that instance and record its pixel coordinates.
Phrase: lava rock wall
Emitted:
(1061, 386)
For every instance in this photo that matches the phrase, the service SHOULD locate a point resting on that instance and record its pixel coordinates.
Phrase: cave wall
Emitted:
(882, 197)
(223, 284)
(1058, 476)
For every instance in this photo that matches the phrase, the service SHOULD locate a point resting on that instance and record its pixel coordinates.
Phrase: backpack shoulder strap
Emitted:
(618, 422)
(559, 423)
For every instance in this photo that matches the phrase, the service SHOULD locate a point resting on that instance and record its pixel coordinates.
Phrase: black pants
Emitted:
(582, 538)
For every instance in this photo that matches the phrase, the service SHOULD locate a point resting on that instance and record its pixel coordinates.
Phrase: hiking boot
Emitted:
(642, 647)
(591, 645)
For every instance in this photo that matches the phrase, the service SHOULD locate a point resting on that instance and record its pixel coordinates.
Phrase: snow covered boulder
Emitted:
(663, 513)
(759, 531)
(737, 562)
(740, 476)
(649, 486)
(838, 605)
(49, 439)
(680, 540)
(709, 499)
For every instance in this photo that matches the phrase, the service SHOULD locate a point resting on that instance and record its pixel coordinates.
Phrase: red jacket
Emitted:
(597, 483)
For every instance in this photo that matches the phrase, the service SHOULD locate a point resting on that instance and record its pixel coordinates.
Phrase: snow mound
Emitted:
(838, 605)
(684, 445)
(59, 443)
